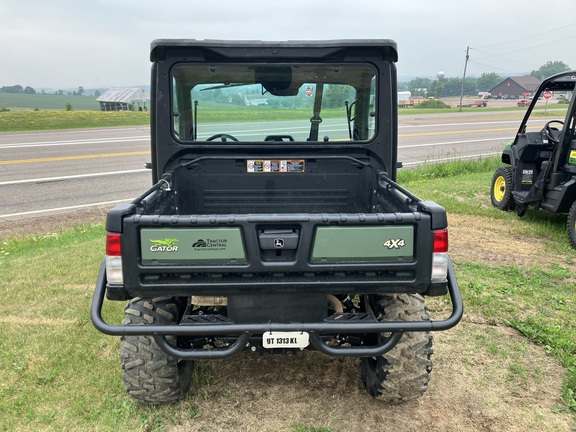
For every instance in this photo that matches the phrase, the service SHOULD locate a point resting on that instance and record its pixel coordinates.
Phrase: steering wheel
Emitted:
(548, 131)
(223, 137)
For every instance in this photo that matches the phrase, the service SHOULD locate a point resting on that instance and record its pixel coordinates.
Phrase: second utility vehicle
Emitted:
(541, 161)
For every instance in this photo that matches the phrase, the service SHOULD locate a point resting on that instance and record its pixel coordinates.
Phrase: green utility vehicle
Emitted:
(274, 223)
(541, 160)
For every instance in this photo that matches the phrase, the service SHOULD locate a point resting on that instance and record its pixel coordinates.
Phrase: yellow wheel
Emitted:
(499, 188)
(501, 192)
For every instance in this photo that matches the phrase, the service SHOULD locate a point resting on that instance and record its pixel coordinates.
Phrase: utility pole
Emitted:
(464, 76)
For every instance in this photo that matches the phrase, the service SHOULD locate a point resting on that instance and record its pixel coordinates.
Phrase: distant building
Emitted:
(254, 99)
(124, 99)
(516, 86)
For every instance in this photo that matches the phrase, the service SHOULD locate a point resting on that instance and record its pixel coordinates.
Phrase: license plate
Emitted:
(285, 340)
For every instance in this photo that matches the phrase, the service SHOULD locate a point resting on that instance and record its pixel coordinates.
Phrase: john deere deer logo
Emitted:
(166, 245)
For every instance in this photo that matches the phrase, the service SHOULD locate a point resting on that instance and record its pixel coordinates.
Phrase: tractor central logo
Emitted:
(166, 245)
(200, 244)
(212, 244)
(394, 243)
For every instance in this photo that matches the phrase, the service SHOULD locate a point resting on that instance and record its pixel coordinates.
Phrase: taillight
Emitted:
(441, 240)
(440, 256)
(114, 258)
(113, 244)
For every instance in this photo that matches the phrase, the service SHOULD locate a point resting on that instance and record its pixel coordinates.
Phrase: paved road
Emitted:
(47, 172)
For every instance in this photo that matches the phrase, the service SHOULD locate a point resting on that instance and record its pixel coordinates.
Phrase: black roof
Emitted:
(387, 46)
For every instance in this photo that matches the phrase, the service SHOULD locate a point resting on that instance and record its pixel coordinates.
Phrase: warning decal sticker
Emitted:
(572, 157)
(276, 166)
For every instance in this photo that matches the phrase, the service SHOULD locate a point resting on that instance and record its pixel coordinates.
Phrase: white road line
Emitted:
(263, 129)
(103, 174)
(34, 212)
(108, 203)
(451, 158)
(514, 122)
(454, 142)
(77, 131)
(75, 142)
(79, 176)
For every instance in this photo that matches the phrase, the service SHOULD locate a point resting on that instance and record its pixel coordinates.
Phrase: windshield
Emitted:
(551, 104)
(282, 103)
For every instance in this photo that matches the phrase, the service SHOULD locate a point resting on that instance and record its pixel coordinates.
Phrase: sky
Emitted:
(63, 44)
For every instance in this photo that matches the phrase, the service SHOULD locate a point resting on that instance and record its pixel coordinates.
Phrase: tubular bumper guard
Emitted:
(245, 331)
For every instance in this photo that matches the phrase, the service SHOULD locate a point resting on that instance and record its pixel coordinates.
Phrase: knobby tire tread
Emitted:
(403, 373)
(150, 375)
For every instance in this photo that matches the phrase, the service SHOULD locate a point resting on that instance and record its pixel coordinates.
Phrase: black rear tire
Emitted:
(403, 373)
(572, 225)
(150, 375)
(501, 190)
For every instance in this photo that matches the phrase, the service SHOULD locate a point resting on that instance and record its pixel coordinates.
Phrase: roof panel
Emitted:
(124, 95)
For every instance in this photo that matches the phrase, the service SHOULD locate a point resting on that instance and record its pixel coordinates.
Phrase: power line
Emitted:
(505, 55)
(528, 37)
(533, 46)
(504, 58)
(487, 66)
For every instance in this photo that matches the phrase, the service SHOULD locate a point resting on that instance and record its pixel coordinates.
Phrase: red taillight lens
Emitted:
(113, 244)
(441, 241)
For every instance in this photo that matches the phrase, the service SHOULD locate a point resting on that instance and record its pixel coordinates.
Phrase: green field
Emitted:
(50, 119)
(17, 121)
(23, 112)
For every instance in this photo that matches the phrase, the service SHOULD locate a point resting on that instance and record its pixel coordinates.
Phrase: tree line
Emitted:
(450, 87)
(18, 89)
(441, 87)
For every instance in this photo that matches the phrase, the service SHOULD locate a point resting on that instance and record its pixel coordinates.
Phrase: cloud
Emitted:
(67, 43)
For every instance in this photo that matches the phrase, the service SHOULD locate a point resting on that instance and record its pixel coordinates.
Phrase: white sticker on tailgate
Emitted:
(285, 340)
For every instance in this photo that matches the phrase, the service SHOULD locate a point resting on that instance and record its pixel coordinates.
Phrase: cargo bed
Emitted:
(240, 248)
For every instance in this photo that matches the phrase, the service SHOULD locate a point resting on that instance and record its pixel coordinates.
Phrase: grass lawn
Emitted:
(58, 373)
(16, 121)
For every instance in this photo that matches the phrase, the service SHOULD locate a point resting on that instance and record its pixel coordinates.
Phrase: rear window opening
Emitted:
(224, 103)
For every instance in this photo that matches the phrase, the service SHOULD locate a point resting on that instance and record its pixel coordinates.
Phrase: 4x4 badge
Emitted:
(395, 243)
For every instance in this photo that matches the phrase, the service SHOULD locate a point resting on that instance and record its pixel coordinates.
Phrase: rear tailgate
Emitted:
(228, 254)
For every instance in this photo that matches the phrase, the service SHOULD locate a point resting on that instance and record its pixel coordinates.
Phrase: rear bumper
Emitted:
(245, 331)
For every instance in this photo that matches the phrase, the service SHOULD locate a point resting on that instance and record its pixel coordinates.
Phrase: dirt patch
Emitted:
(485, 377)
(485, 240)
(512, 387)
(53, 223)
